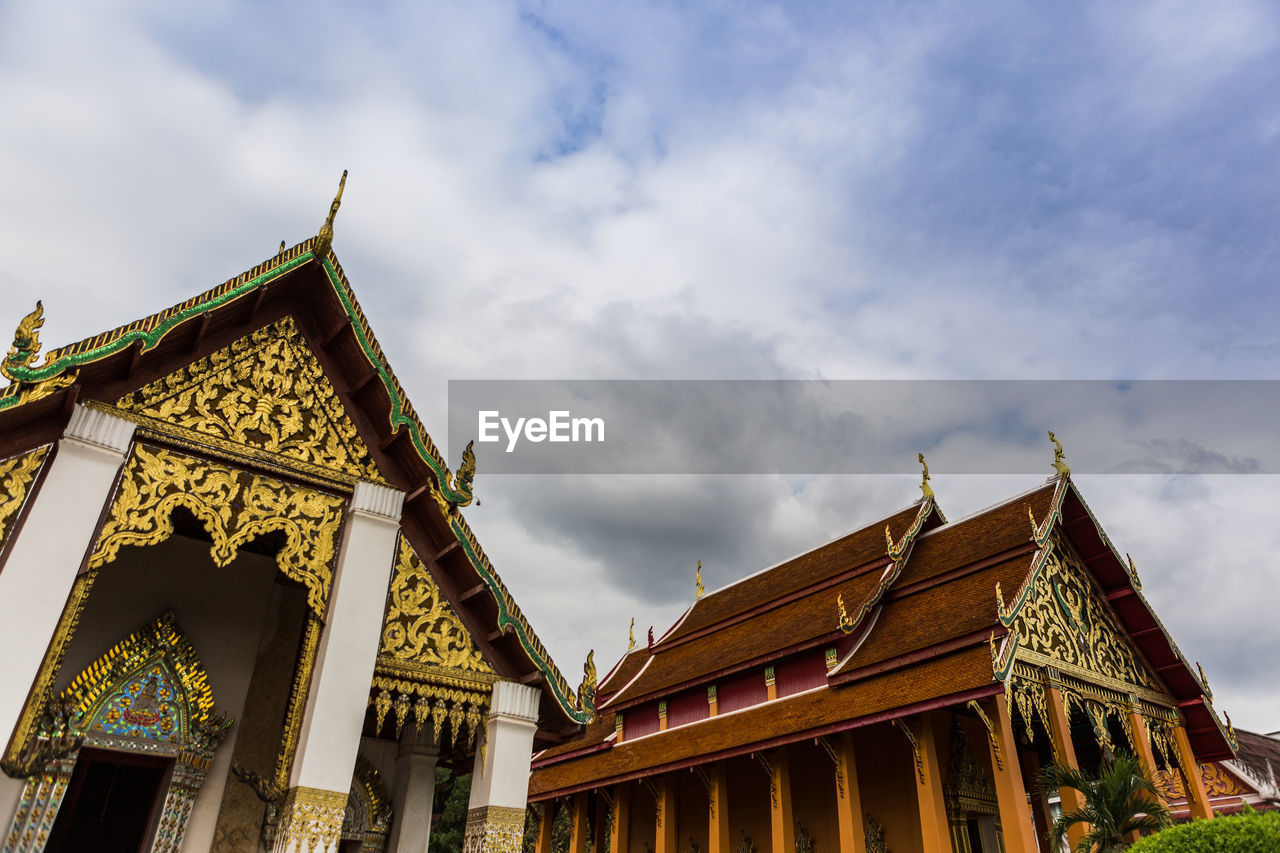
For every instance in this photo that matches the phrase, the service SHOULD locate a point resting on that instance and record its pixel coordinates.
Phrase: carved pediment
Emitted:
(1066, 622)
(265, 393)
(420, 627)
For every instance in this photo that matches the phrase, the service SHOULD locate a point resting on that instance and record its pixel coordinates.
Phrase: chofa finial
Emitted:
(324, 240)
(631, 635)
(26, 343)
(925, 488)
(697, 579)
(843, 621)
(1059, 458)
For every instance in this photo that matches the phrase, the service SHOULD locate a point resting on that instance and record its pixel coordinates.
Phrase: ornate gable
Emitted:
(420, 627)
(1065, 623)
(264, 394)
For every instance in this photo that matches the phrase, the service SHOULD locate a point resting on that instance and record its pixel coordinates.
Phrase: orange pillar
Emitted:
(853, 837)
(1040, 804)
(599, 826)
(718, 810)
(578, 814)
(1197, 797)
(1011, 792)
(619, 833)
(545, 821)
(781, 819)
(1141, 746)
(1064, 752)
(666, 828)
(934, 828)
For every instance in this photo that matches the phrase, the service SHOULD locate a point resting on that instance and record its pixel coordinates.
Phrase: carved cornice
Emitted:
(99, 428)
(234, 506)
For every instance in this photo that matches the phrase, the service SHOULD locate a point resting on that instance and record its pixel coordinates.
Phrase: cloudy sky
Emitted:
(721, 190)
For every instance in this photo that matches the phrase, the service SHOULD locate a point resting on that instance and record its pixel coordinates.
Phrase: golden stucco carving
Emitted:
(26, 343)
(298, 699)
(17, 473)
(1067, 622)
(234, 506)
(310, 818)
(1217, 783)
(419, 625)
(968, 788)
(265, 394)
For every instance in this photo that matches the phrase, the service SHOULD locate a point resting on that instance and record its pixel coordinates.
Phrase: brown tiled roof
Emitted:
(625, 670)
(936, 614)
(989, 532)
(770, 632)
(595, 734)
(1258, 754)
(768, 613)
(793, 718)
(857, 548)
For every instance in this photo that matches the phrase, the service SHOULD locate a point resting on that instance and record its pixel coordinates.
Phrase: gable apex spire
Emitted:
(324, 240)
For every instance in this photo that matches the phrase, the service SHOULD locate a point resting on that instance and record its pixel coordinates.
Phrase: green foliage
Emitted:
(453, 793)
(1122, 799)
(1248, 832)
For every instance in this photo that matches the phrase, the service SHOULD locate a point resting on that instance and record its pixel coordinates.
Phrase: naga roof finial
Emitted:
(324, 240)
(697, 578)
(1059, 458)
(631, 635)
(26, 343)
(843, 621)
(924, 480)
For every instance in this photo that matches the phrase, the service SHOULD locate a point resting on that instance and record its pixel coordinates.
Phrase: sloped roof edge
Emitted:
(147, 333)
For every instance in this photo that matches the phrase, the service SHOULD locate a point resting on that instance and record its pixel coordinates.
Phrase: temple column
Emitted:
(620, 832)
(311, 817)
(1064, 752)
(546, 824)
(665, 841)
(600, 826)
(1039, 801)
(718, 840)
(500, 781)
(578, 831)
(47, 552)
(781, 820)
(853, 830)
(1011, 791)
(934, 827)
(1197, 797)
(414, 792)
(1141, 743)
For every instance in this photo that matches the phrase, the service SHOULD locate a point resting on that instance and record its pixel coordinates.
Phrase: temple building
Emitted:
(901, 689)
(239, 605)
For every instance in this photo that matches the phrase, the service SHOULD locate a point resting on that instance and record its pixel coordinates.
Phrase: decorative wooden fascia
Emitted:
(899, 553)
(451, 490)
(1041, 532)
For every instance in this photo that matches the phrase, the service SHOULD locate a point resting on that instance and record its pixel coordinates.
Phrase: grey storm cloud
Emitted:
(563, 190)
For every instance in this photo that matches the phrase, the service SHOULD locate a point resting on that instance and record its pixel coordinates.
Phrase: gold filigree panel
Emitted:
(17, 473)
(1217, 783)
(420, 626)
(234, 506)
(1067, 621)
(265, 392)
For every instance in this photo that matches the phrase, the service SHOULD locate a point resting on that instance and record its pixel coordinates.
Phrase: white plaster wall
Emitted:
(222, 612)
